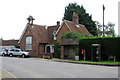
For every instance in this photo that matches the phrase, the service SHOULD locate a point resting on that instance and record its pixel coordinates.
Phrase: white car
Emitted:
(3, 52)
(18, 52)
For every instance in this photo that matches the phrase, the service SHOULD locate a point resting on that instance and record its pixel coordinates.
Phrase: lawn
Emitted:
(103, 62)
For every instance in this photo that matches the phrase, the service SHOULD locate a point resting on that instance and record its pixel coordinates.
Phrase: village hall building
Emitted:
(38, 40)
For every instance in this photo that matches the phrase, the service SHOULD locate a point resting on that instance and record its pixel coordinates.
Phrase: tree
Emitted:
(84, 18)
(99, 29)
(109, 29)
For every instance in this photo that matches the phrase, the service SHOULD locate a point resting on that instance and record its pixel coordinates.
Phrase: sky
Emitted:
(14, 13)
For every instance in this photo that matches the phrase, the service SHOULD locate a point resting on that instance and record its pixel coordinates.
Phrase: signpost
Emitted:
(103, 21)
(83, 53)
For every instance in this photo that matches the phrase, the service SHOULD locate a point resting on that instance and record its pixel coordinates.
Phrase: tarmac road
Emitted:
(41, 68)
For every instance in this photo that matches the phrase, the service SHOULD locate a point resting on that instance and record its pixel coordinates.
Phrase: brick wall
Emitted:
(62, 30)
(34, 50)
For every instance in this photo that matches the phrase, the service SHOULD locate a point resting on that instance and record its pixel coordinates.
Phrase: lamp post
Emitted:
(103, 21)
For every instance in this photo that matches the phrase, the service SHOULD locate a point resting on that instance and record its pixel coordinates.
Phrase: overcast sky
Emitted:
(13, 13)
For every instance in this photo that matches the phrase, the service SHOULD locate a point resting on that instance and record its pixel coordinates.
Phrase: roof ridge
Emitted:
(68, 26)
(23, 32)
(76, 24)
(39, 25)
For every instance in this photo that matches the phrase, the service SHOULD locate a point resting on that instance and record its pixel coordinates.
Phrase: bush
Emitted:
(47, 57)
(74, 35)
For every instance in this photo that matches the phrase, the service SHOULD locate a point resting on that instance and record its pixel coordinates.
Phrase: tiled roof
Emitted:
(9, 42)
(40, 33)
(51, 30)
(74, 27)
(43, 35)
(77, 27)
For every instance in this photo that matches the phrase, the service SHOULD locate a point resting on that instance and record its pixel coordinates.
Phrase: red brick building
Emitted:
(9, 44)
(39, 40)
(34, 38)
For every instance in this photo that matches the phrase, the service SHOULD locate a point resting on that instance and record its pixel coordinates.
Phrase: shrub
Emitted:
(74, 35)
(47, 57)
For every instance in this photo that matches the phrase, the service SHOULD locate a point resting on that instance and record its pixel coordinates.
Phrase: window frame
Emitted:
(28, 45)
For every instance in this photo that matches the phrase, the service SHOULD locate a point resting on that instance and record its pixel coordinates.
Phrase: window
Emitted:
(55, 37)
(12, 50)
(17, 50)
(28, 43)
(48, 49)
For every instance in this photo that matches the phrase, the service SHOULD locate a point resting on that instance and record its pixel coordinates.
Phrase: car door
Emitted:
(11, 51)
(17, 52)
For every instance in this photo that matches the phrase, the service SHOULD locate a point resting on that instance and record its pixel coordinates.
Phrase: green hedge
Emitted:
(109, 47)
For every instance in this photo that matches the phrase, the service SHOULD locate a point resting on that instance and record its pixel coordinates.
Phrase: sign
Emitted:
(83, 51)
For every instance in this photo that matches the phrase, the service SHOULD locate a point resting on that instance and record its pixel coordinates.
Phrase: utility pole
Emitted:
(103, 21)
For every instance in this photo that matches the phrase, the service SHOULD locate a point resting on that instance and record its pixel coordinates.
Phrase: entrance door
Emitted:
(96, 52)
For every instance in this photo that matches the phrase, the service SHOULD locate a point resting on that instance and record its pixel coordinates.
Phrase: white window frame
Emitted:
(28, 43)
(51, 48)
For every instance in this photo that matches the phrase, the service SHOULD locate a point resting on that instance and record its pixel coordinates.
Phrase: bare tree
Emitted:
(99, 29)
(109, 29)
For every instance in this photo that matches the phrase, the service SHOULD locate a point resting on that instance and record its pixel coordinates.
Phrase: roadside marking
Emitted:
(9, 73)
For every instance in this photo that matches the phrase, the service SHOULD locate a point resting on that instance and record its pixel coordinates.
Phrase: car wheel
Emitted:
(23, 55)
(3, 54)
(11, 55)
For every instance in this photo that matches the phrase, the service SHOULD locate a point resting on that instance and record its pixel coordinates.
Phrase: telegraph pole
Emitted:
(103, 21)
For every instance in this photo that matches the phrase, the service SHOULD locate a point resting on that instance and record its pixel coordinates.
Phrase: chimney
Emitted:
(75, 18)
(58, 23)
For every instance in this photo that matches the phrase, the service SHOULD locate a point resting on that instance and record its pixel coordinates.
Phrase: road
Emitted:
(40, 68)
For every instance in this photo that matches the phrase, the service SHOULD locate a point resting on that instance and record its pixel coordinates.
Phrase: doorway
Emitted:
(96, 52)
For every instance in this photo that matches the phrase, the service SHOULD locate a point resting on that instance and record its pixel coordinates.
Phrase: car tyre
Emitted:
(23, 55)
(11, 55)
(3, 54)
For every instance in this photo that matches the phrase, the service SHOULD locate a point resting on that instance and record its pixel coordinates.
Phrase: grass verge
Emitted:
(103, 62)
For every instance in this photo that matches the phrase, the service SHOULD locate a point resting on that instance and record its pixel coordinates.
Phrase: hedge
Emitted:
(110, 46)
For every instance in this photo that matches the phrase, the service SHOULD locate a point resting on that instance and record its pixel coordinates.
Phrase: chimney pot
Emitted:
(58, 23)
